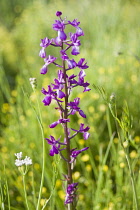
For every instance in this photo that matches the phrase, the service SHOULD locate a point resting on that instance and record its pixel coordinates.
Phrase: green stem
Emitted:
(100, 176)
(43, 155)
(117, 121)
(33, 186)
(25, 193)
(132, 181)
(39, 119)
(8, 197)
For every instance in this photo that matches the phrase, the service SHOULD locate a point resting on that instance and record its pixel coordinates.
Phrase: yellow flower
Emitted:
(58, 183)
(30, 173)
(33, 97)
(105, 168)
(116, 140)
(88, 167)
(121, 153)
(19, 198)
(11, 139)
(42, 201)
(119, 80)
(92, 129)
(5, 107)
(111, 205)
(102, 108)
(91, 109)
(101, 70)
(95, 96)
(97, 157)
(44, 190)
(81, 141)
(80, 95)
(22, 118)
(85, 158)
(4, 149)
(121, 61)
(76, 175)
(36, 166)
(80, 121)
(125, 144)
(133, 154)
(137, 139)
(137, 64)
(134, 78)
(14, 93)
(61, 194)
(81, 197)
(122, 165)
(32, 145)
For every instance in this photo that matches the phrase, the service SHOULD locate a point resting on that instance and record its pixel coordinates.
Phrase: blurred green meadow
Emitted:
(111, 46)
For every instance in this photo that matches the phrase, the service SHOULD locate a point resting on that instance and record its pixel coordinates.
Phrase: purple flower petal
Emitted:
(82, 114)
(71, 64)
(79, 32)
(74, 23)
(60, 94)
(86, 135)
(75, 50)
(47, 100)
(54, 124)
(42, 53)
(45, 42)
(62, 36)
(58, 13)
(44, 69)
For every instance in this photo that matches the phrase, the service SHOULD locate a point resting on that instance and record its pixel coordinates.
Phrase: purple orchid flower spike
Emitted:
(60, 91)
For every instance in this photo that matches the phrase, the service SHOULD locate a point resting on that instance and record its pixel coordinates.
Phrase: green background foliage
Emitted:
(111, 48)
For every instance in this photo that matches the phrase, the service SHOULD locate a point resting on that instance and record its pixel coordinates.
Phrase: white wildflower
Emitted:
(19, 162)
(18, 155)
(27, 161)
(33, 83)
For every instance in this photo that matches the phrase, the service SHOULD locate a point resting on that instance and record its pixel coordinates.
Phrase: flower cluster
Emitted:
(70, 193)
(19, 161)
(61, 89)
(33, 83)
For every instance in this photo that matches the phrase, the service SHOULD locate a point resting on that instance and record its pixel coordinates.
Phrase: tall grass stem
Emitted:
(39, 118)
(118, 122)
(25, 193)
